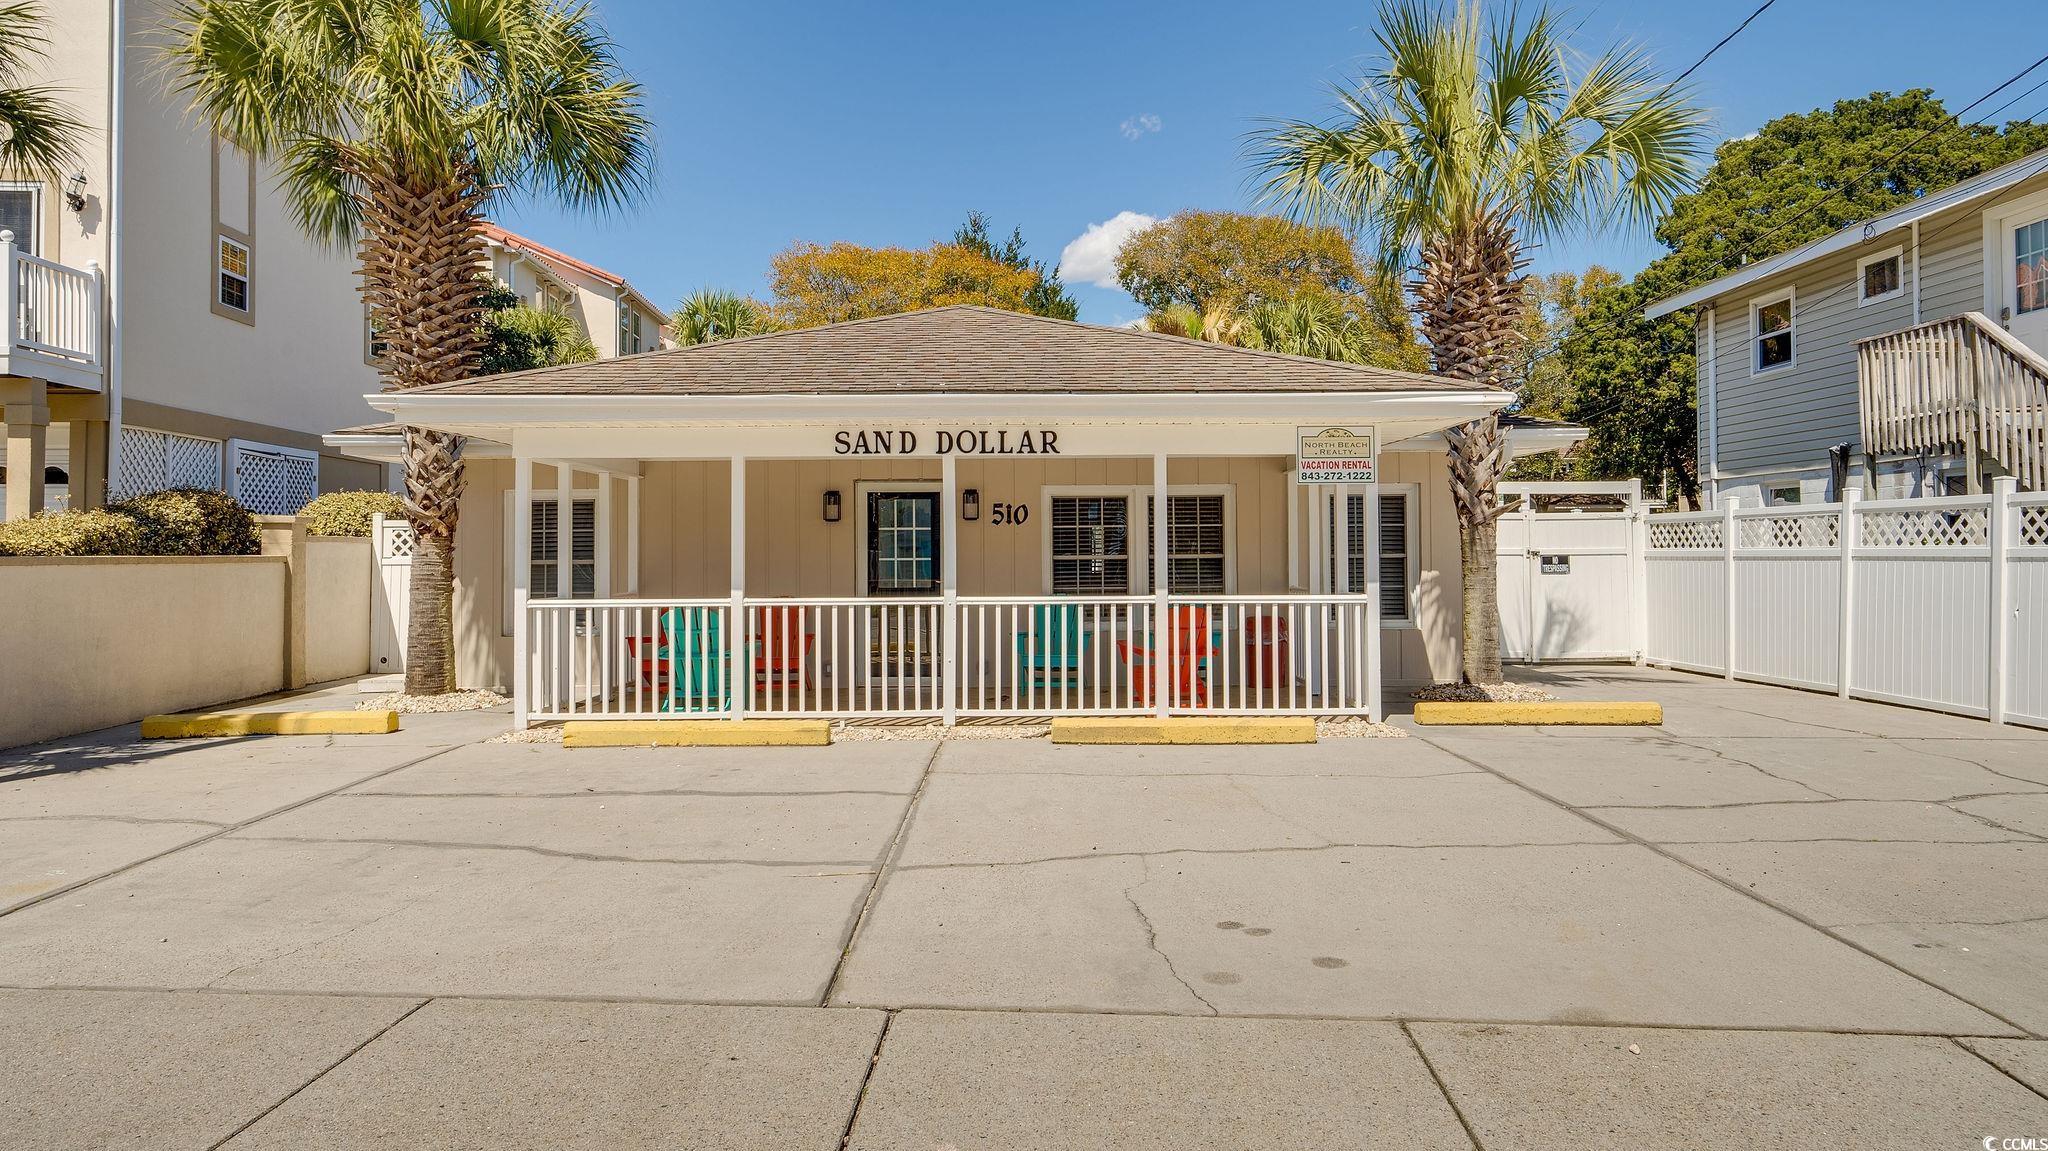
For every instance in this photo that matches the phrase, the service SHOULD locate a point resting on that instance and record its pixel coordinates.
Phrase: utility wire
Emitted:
(1720, 44)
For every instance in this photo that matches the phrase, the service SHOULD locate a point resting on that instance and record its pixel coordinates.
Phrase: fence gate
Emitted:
(1569, 580)
(390, 593)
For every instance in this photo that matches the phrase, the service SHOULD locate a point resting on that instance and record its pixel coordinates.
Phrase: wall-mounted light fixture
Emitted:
(832, 506)
(970, 504)
(74, 191)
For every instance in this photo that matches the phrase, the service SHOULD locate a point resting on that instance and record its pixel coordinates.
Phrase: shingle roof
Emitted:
(963, 348)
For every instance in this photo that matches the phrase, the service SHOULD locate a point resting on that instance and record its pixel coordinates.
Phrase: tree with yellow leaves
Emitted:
(816, 284)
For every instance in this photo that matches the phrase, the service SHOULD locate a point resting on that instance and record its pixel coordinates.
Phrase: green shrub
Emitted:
(191, 522)
(97, 532)
(348, 513)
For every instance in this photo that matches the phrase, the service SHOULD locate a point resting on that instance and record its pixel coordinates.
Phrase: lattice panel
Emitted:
(2034, 526)
(399, 540)
(1685, 535)
(1959, 527)
(276, 482)
(152, 461)
(1807, 531)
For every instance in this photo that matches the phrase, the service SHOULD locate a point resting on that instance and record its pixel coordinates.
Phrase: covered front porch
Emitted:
(949, 516)
(945, 589)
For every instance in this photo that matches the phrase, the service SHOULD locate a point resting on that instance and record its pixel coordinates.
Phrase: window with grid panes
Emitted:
(1197, 556)
(234, 275)
(1091, 545)
(546, 544)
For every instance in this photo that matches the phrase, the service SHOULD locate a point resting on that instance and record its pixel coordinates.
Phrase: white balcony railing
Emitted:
(919, 658)
(1957, 384)
(55, 313)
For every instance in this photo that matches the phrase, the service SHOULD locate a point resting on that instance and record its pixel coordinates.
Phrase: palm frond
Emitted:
(40, 136)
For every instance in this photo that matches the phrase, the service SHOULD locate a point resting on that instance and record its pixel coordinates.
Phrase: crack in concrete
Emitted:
(592, 794)
(890, 854)
(1950, 804)
(1152, 935)
(1980, 765)
(1941, 922)
(1238, 786)
(1222, 774)
(1800, 802)
(140, 820)
(556, 853)
(1284, 849)
(1717, 753)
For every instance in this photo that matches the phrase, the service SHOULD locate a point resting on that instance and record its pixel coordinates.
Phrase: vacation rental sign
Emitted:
(1333, 456)
(947, 442)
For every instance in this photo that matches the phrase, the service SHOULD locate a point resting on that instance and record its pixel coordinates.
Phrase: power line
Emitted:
(1718, 45)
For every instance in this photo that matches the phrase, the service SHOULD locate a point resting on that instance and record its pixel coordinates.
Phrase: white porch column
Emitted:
(522, 565)
(949, 588)
(601, 544)
(1162, 630)
(741, 685)
(1369, 674)
(632, 535)
(565, 487)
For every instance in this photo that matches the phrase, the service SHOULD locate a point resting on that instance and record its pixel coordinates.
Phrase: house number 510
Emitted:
(1000, 514)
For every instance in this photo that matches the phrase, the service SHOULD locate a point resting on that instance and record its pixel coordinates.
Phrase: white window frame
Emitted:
(34, 188)
(603, 582)
(1135, 539)
(1140, 497)
(1773, 494)
(221, 239)
(1895, 252)
(1790, 298)
(1411, 496)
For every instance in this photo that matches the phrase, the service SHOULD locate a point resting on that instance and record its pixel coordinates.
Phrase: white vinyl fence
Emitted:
(1936, 603)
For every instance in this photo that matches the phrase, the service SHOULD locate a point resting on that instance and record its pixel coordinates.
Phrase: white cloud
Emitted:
(1090, 258)
(1139, 125)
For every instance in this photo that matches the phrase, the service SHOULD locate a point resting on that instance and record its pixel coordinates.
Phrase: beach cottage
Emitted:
(952, 514)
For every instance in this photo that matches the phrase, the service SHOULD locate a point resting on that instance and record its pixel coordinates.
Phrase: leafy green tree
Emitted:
(710, 314)
(392, 126)
(519, 337)
(40, 137)
(1631, 379)
(1049, 296)
(1552, 306)
(1466, 139)
(1232, 261)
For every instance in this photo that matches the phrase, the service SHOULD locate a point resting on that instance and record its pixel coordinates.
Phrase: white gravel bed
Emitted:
(1354, 728)
(552, 733)
(430, 704)
(857, 732)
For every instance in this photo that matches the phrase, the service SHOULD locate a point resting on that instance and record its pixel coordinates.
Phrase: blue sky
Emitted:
(885, 123)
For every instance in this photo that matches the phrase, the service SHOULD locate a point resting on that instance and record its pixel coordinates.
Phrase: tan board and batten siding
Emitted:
(685, 520)
(1774, 421)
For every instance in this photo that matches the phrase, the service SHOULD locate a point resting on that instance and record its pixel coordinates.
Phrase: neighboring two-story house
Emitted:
(165, 322)
(616, 317)
(1903, 356)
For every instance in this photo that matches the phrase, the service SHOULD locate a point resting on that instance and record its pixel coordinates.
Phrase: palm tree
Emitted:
(1308, 324)
(392, 125)
(1467, 138)
(708, 315)
(39, 136)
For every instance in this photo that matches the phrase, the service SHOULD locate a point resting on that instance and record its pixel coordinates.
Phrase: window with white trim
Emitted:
(1091, 545)
(1197, 544)
(21, 212)
(630, 339)
(1771, 333)
(233, 265)
(1880, 276)
(544, 542)
(1397, 562)
(1788, 494)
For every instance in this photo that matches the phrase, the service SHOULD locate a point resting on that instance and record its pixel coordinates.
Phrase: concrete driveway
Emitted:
(1781, 916)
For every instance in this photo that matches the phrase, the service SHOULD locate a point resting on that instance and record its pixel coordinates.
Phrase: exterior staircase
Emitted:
(1962, 384)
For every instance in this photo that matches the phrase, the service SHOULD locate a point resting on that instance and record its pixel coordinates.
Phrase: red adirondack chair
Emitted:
(782, 648)
(1190, 651)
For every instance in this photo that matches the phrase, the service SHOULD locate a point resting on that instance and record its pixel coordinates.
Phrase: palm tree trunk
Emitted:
(421, 261)
(1469, 297)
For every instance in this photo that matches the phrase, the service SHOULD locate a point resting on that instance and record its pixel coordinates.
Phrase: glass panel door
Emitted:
(2028, 289)
(903, 560)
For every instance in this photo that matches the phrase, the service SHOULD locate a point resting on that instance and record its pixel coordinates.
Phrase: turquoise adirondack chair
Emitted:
(692, 660)
(1056, 646)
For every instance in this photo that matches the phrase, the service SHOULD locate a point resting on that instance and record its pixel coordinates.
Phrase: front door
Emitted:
(903, 560)
(2023, 268)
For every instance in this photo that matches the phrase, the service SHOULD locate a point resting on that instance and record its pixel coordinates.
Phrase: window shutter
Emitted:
(1091, 545)
(541, 580)
(1196, 555)
(1393, 557)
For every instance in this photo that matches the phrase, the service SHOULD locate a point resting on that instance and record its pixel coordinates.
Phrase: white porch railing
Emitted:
(898, 658)
(1960, 383)
(54, 313)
